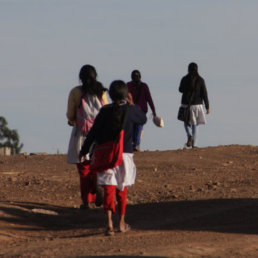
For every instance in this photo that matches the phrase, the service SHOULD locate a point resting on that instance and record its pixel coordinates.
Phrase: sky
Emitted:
(44, 43)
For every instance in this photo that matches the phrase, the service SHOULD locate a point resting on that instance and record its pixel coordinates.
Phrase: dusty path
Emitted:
(185, 203)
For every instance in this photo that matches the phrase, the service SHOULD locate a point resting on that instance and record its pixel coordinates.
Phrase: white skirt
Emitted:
(197, 115)
(120, 176)
(75, 144)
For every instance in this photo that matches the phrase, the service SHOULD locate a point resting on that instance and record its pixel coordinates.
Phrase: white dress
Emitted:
(120, 176)
(75, 144)
(197, 115)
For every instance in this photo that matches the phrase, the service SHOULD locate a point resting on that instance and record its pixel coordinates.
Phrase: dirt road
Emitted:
(185, 203)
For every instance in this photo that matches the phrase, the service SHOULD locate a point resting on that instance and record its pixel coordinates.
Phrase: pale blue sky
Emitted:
(45, 42)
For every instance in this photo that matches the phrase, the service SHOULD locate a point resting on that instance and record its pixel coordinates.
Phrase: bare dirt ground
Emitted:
(185, 203)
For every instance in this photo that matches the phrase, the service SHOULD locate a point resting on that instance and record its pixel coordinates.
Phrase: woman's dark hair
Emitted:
(118, 91)
(193, 74)
(90, 85)
(193, 69)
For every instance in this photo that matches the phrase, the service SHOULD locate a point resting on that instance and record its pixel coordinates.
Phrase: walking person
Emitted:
(194, 93)
(140, 93)
(107, 126)
(84, 103)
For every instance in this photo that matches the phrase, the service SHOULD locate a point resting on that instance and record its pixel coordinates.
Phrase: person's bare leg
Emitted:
(122, 222)
(121, 201)
(123, 227)
(110, 221)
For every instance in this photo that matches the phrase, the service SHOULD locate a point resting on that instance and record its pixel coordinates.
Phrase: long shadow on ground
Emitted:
(22, 213)
(218, 215)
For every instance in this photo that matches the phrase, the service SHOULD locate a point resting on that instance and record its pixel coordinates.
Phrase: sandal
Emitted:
(127, 228)
(109, 232)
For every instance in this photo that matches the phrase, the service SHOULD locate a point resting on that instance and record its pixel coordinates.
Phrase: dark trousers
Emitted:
(137, 135)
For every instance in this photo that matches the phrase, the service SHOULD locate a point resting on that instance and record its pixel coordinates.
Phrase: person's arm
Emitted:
(104, 98)
(129, 98)
(182, 86)
(73, 103)
(149, 99)
(205, 97)
(71, 109)
(87, 143)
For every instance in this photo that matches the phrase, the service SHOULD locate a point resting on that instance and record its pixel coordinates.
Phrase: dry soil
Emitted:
(185, 203)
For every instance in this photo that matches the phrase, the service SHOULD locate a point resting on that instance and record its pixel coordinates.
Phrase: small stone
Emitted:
(43, 211)
(209, 186)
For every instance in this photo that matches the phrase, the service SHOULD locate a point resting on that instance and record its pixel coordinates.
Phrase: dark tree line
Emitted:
(9, 138)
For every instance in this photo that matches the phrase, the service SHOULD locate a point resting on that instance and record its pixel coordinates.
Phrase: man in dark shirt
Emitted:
(141, 96)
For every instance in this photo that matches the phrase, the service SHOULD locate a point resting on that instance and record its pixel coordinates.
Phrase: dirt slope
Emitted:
(185, 203)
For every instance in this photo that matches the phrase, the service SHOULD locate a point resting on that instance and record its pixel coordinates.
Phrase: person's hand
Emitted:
(129, 98)
(208, 111)
(80, 156)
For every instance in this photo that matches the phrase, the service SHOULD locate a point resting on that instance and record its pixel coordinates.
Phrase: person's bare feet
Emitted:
(109, 231)
(126, 227)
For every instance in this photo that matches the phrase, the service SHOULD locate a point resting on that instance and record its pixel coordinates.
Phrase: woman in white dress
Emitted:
(84, 103)
(194, 93)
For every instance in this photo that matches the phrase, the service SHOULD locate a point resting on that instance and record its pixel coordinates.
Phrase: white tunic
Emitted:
(75, 144)
(197, 115)
(120, 176)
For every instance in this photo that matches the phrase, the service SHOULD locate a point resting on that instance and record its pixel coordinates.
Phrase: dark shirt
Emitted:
(102, 130)
(198, 91)
(141, 96)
